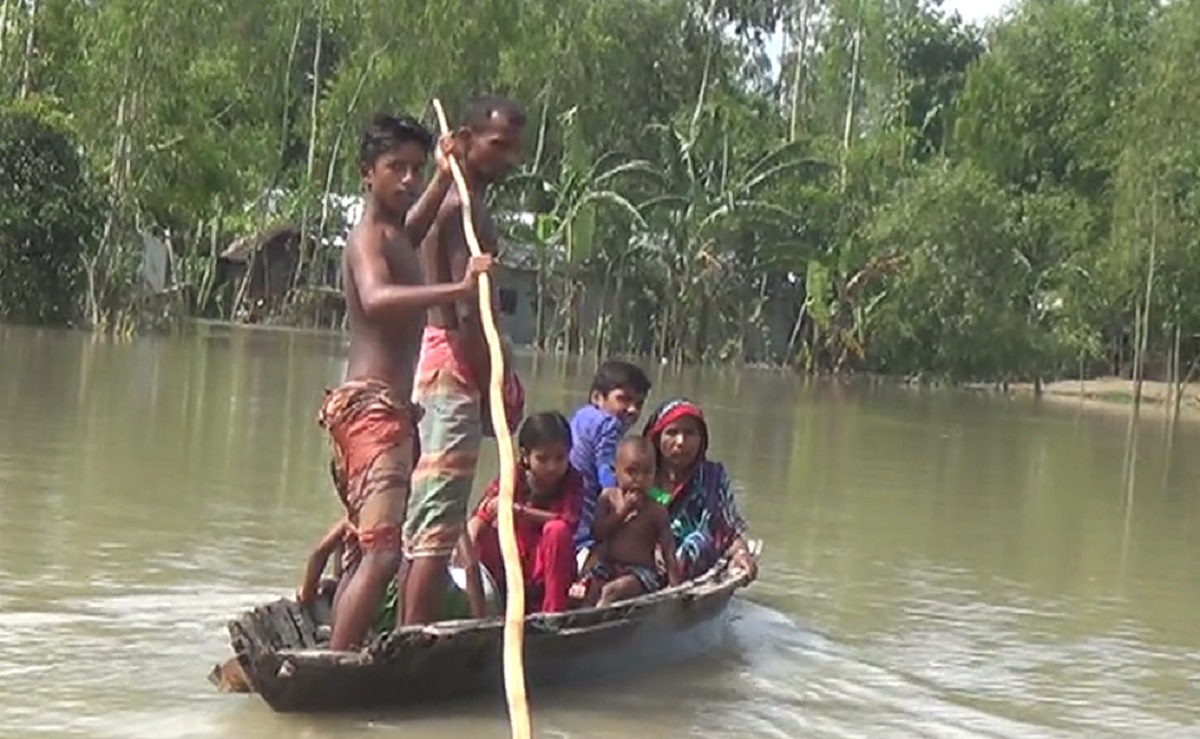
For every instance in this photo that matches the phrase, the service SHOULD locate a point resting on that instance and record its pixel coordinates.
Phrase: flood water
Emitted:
(936, 564)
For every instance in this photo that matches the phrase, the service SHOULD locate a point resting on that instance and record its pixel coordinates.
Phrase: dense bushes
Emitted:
(49, 217)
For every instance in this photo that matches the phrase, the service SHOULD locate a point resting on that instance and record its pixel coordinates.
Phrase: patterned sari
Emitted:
(704, 515)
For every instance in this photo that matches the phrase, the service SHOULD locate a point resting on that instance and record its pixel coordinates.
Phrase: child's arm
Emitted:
(610, 516)
(666, 542)
(470, 558)
(572, 504)
(420, 217)
(534, 515)
(317, 561)
(486, 512)
(491, 500)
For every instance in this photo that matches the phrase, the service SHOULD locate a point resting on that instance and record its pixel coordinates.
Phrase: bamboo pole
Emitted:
(514, 612)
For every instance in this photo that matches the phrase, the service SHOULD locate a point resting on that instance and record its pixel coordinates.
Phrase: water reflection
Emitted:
(938, 564)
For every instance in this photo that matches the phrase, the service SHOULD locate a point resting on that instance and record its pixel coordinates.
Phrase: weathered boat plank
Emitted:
(279, 648)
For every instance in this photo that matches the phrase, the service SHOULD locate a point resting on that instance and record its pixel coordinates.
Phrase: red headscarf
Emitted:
(667, 414)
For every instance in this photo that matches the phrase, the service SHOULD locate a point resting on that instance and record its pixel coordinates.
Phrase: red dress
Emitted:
(547, 550)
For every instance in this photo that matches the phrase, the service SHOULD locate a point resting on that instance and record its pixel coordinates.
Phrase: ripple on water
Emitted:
(796, 683)
(1022, 658)
(957, 568)
(775, 678)
(123, 649)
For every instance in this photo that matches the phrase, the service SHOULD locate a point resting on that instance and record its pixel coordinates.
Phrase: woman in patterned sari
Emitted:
(696, 491)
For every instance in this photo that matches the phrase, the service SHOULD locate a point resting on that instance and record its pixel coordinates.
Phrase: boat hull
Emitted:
(278, 649)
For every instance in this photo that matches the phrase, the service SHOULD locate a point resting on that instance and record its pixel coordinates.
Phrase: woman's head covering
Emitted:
(670, 412)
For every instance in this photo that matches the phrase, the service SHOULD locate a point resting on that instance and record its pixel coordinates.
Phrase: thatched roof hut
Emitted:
(265, 264)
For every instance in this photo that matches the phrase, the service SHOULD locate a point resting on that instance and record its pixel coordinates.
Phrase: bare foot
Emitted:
(229, 677)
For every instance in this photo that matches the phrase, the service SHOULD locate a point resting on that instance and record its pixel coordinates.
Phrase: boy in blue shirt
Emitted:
(617, 396)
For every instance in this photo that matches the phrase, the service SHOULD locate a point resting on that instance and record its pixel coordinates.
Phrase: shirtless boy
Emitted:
(370, 421)
(453, 371)
(628, 528)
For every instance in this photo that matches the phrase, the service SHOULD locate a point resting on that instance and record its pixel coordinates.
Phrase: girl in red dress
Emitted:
(546, 505)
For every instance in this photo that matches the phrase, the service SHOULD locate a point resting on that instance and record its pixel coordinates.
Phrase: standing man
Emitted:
(368, 417)
(454, 368)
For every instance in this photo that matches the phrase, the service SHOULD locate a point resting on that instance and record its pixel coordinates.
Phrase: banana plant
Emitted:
(564, 236)
(707, 203)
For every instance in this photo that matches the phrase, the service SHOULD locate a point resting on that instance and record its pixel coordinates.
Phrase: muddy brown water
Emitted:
(937, 564)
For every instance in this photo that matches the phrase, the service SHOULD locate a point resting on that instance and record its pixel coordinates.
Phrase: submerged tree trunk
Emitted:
(570, 313)
(792, 354)
(214, 250)
(3, 34)
(798, 71)
(27, 63)
(314, 107)
(601, 324)
(753, 318)
(1184, 382)
(848, 126)
(797, 325)
(285, 125)
(331, 169)
(618, 316)
(664, 322)
(762, 320)
(700, 339)
(1139, 368)
(1176, 388)
(1135, 375)
(310, 167)
(539, 316)
(100, 267)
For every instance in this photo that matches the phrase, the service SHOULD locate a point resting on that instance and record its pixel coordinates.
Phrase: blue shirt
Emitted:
(594, 437)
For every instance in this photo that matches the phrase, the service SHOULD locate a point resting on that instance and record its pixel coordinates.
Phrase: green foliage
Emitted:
(48, 215)
(897, 192)
(1157, 191)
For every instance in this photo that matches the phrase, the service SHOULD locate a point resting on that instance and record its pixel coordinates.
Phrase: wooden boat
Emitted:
(279, 654)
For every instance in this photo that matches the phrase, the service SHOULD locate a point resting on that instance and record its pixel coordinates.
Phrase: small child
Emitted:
(546, 504)
(630, 528)
(312, 586)
(618, 393)
(341, 543)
